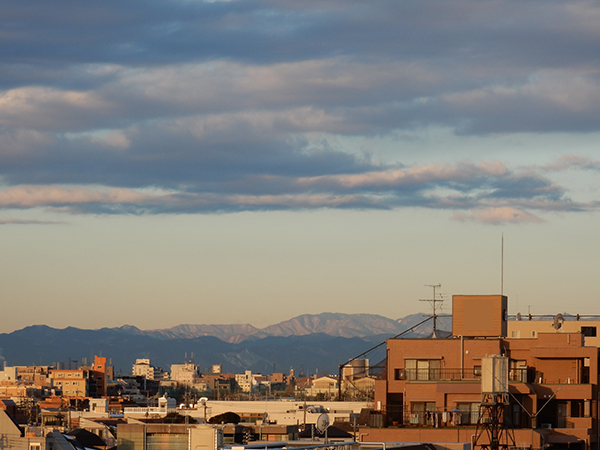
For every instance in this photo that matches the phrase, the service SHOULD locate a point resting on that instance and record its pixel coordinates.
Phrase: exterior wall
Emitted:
(184, 373)
(206, 438)
(74, 383)
(324, 385)
(277, 378)
(99, 375)
(142, 367)
(164, 436)
(525, 329)
(245, 381)
(479, 315)
(523, 438)
(8, 374)
(459, 359)
(284, 412)
(12, 437)
(553, 378)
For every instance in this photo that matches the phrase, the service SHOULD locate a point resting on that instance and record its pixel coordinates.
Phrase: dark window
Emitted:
(577, 408)
(588, 331)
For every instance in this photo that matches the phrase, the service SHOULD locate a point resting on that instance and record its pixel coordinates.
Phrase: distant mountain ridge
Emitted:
(331, 324)
(319, 341)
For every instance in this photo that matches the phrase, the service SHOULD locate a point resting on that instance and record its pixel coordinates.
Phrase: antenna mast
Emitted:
(502, 267)
(433, 302)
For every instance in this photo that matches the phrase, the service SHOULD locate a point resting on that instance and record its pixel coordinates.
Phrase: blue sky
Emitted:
(167, 162)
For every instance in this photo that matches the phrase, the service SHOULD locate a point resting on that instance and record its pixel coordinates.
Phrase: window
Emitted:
(469, 412)
(518, 370)
(419, 412)
(577, 408)
(515, 333)
(477, 371)
(422, 369)
(533, 334)
(588, 331)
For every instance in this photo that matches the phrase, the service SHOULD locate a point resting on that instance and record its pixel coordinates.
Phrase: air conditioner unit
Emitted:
(546, 425)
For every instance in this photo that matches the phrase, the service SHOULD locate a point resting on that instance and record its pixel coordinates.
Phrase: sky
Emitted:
(248, 161)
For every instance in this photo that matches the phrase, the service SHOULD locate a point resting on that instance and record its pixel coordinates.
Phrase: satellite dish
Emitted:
(322, 423)
(558, 321)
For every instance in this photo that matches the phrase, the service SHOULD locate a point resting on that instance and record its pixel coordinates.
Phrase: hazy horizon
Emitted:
(249, 161)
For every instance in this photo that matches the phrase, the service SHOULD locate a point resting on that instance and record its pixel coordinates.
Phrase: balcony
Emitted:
(432, 417)
(526, 375)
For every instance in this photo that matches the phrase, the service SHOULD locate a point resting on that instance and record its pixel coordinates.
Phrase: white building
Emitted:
(246, 381)
(142, 367)
(284, 412)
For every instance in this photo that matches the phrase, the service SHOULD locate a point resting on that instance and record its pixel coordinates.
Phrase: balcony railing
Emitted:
(526, 375)
(401, 416)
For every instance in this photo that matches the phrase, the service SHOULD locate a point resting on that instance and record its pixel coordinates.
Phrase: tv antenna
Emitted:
(434, 304)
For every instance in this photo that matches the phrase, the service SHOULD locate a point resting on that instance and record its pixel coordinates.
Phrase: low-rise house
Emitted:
(325, 387)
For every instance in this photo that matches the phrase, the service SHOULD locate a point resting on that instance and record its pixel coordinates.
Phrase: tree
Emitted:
(226, 417)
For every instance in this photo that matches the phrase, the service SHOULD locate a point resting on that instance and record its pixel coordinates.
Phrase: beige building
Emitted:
(73, 383)
(184, 373)
(327, 385)
(525, 328)
(34, 375)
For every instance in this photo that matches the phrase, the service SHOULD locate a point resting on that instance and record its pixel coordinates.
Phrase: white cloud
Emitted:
(49, 108)
(497, 216)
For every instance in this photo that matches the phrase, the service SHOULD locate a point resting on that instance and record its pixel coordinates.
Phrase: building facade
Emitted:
(72, 383)
(431, 391)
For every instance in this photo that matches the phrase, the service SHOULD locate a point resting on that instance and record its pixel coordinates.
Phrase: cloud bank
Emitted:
(200, 107)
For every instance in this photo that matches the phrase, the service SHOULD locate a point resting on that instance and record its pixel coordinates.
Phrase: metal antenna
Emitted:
(433, 302)
(502, 267)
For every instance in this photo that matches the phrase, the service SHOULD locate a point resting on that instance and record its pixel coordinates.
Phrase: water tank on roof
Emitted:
(494, 374)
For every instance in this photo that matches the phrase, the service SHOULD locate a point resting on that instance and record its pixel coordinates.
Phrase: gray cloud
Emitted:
(28, 222)
(185, 107)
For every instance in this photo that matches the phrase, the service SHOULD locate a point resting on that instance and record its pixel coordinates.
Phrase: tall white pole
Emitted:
(502, 267)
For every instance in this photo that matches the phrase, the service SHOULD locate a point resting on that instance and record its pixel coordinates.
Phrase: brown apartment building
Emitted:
(431, 391)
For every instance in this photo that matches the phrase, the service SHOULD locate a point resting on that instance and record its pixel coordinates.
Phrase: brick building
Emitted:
(431, 390)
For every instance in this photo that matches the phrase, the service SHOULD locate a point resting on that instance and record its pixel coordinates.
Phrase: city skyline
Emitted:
(164, 163)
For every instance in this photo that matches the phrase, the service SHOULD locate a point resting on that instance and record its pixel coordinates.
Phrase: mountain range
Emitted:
(307, 343)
